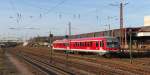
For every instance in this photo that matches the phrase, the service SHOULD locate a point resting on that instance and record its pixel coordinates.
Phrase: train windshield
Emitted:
(112, 43)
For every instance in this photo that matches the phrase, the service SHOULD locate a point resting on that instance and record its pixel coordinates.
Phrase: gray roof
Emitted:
(145, 29)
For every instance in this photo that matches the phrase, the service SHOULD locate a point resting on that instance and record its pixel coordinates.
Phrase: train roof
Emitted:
(92, 38)
(83, 39)
(61, 41)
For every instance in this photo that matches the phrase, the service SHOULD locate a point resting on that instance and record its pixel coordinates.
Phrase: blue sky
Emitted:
(53, 15)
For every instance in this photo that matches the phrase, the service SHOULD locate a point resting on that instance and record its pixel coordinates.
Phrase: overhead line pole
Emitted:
(69, 41)
(109, 25)
(121, 24)
(131, 57)
(123, 39)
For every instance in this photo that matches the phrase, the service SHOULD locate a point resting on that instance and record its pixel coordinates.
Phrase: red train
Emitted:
(100, 45)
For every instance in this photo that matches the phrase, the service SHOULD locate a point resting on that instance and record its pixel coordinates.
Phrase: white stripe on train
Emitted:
(83, 50)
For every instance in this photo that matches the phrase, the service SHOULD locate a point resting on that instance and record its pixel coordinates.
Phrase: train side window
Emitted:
(97, 44)
(91, 44)
(75, 44)
(79, 44)
(85, 44)
(82, 43)
(88, 44)
(64, 44)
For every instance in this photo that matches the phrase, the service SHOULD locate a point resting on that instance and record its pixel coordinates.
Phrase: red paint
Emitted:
(84, 44)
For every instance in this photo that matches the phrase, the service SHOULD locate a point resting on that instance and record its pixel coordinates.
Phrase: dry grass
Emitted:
(1, 61)
(139, 66)
(6, 67)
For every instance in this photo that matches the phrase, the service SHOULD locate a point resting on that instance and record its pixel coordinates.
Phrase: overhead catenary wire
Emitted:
(57, 5)
(47, 11)
(60, 14)
(54, 8)
(16, 10)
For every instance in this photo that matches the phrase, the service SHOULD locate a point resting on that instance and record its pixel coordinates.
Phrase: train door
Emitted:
(97, 45)
(101, 45)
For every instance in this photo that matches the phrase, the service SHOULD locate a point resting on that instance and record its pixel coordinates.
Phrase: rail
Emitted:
(44, 67)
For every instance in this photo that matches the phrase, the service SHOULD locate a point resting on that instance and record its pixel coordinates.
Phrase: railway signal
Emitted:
(50, 45)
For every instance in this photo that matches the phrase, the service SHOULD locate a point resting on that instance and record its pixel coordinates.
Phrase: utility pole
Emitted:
(130, 32)
(123, 38)
(69, 29)
(122, 32)
(121, 24)
(109, 34)
(109, 25)
(69, 41)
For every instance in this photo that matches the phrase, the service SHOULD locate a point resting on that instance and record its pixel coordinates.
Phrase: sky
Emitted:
(30, 18)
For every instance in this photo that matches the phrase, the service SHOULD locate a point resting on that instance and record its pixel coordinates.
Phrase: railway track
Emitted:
(46, 68)
(90, 66)
(117, 65)
(103, 66)
(61, 64)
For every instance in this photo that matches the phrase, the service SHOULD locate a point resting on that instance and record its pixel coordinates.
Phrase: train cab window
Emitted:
(101, 44)
(97, 44)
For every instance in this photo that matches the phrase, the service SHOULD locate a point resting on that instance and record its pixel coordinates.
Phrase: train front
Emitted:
(112, 45)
